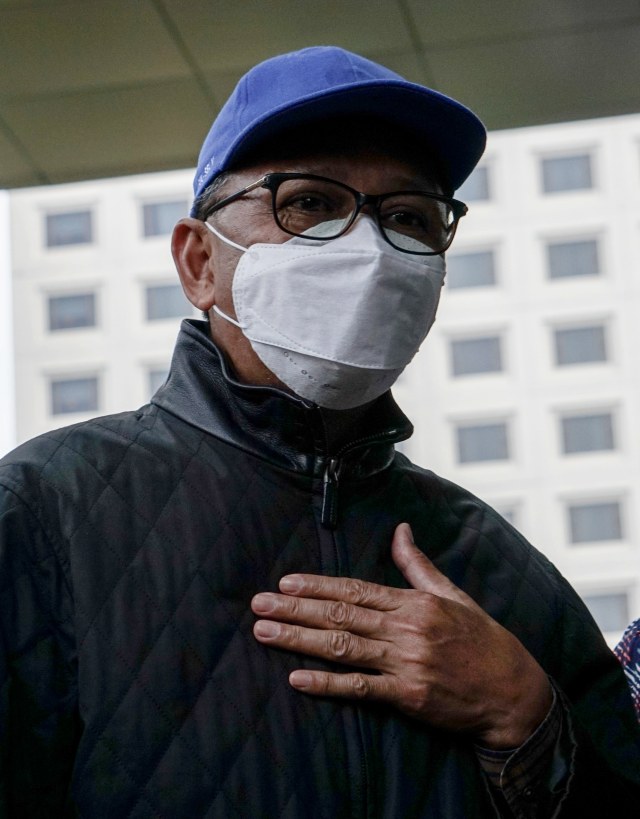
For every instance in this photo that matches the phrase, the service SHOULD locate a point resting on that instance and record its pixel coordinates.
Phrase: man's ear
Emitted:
(192, 254)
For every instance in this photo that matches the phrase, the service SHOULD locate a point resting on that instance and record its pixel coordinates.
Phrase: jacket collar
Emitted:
(276, 426)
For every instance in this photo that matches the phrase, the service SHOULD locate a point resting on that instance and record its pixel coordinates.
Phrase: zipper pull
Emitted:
(330, 493)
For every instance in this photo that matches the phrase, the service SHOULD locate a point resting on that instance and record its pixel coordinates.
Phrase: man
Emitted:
(239, 601)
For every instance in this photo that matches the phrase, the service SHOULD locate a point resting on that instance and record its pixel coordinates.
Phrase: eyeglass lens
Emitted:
(322, 209)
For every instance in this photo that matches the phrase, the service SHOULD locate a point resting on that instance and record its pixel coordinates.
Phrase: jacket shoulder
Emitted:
(92, 449)
(37, 452)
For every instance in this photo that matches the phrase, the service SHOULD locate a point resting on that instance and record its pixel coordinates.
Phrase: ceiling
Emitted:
(111, 87)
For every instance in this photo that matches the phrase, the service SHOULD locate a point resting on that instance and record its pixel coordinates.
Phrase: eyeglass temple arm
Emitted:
(237, 195)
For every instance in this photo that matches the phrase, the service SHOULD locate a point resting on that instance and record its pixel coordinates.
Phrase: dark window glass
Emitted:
(68, 312)
(587, 433)
(74, 228)
(482, 442)
(580, 345)
(592, 522)
(475, 269)
(566, 173)
(157, 377)
(476, 188)
(610, 611)
(568, 259)
(476, 355)
(159, 218)
(74, 395)
(166, 301)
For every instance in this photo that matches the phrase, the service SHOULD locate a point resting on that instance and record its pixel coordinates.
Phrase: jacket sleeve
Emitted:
(602, 735)
(39, 726)
(520, 588)
(532, 778)
(600, 738)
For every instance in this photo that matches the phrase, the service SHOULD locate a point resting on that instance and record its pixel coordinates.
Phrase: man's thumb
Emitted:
(418, 570)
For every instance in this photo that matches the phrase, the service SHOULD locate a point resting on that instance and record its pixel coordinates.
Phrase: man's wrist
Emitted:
(533, 777)
(522, 719)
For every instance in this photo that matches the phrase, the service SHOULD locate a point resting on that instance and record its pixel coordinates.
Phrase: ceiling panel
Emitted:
(574, 76)
(460, 21)
(108, 133)
(80, 45)
(16, 168)
(238, 35)
(91, 89)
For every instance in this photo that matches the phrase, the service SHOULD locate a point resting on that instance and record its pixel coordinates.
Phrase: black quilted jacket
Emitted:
(131, 684)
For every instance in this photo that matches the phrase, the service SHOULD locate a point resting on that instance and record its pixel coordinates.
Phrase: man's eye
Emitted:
(406, 218)
(310, 203)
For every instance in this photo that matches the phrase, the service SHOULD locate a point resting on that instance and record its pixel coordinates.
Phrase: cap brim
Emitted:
(448, 129)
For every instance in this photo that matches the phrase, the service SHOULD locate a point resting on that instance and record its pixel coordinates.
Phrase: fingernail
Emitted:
(263, 603)
(291, 583)
(265, 628)
(410, 533)
(300, 679)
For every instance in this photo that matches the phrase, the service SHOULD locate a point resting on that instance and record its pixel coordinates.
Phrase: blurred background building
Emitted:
(97, 301)
(527, 390)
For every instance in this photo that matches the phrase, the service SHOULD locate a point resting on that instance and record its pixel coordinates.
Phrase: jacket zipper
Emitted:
(330, 482)
(331, 478)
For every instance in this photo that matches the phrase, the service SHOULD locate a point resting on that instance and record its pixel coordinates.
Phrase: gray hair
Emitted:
(209, 196)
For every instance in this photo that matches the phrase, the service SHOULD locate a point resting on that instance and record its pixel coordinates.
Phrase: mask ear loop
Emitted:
(225, 240)
(229, 242)
(217, 310)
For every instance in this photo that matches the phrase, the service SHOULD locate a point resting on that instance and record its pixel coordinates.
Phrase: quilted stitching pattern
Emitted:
(165, 533)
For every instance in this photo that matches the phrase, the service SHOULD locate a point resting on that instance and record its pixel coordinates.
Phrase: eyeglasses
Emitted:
(318, 208)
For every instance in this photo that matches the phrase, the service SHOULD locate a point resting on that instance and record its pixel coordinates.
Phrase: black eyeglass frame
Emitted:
(272, 181)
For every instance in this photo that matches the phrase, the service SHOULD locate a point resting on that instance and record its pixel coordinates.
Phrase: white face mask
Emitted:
(336, 321)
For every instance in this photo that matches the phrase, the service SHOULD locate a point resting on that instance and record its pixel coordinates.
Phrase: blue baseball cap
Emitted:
(325, 81)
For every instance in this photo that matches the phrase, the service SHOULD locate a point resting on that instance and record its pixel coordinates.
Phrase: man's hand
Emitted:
(429, 651)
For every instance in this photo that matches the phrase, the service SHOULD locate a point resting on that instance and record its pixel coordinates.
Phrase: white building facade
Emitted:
(527, 390)
(97, 302)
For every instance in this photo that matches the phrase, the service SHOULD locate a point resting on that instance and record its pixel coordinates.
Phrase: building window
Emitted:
(580, 345)
(159, 218)
(156, 378)
(471, 356)
(475, 269)
(476, 188)
(566, 173)
(74, 395)
(73, 228)
(610, 611)
(593, 522)
(570, 259)
(73, 311)
(587, 433)
(164, 301)
(482, 442)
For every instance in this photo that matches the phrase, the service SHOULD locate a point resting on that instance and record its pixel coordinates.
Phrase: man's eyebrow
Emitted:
(417, 181)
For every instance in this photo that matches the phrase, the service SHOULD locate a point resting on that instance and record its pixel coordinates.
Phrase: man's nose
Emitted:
(368, 214)
(367, 218)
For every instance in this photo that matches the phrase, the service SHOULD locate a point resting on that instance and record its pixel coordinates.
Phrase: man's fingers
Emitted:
(419, 571)
(325, 614)
(350, 590)
(351, 686)
(337, 646)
